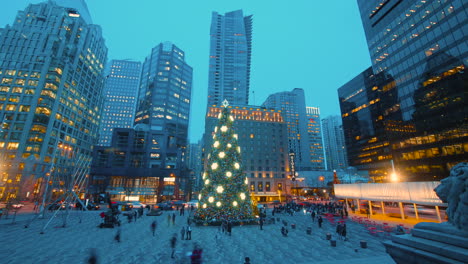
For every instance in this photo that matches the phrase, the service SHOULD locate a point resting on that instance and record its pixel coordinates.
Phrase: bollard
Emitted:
(333, 243)
(363, 244)
(293, 226)
(309, 231)
(328, 236)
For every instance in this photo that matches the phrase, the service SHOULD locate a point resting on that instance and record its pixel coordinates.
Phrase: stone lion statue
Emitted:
(454, 191)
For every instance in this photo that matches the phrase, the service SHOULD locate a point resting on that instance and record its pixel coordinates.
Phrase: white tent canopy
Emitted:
(407, 192)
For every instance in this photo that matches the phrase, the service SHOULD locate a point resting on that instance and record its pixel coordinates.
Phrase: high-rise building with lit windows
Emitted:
(51, 84)
(334, 144)
(149, 162)
(293, 108)
(120, 90)
(230, 57)
(314, 131)
(413, 98)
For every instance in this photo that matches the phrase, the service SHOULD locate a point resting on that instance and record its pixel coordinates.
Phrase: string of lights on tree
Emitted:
(225, 194)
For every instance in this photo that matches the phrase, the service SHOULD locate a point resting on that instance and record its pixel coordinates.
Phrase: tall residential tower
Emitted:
(230, 57)
(333, 138)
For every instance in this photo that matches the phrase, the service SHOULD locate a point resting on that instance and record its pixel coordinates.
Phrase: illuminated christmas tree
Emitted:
(225, 194)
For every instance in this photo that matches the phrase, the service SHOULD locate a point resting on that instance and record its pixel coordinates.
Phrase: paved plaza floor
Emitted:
(72, 244)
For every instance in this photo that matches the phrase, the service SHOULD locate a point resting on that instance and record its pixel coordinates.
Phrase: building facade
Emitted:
(264, 149)
(334, 143)
(120, 91)
(230, 57)
(160, 132)
(421, 45)
(195, 156)
(51, 83)
(314, 130)
(293, 109)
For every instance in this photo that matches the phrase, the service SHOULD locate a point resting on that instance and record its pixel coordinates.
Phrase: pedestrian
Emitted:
(173, 244)
(247, 260)
(339, 230)
(189, 221)
(135, 215)
(319, 221)
(129, 217)
(188, 232)
(153, 226)
(261, 223)
(182, 233)
(168, 219)
(196, 257)
(284, 231)
(35, 205)
(117, 236)
(313, 216)
(93, 259)
(368, 212)
(173, 218)
(343, 232)
(229, 228)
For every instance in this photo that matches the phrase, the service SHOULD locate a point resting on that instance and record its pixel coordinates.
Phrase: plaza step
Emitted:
(441, 237)
(442, 249)
(407, 254)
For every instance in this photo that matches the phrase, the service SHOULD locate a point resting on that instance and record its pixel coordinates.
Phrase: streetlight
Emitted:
(393, 176)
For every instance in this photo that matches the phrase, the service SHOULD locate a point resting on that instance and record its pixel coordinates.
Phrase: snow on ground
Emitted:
(72, 244)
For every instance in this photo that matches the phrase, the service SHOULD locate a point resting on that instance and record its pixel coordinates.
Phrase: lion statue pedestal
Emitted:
(444, 242)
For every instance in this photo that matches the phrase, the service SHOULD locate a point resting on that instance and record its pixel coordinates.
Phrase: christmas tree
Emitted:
(225, 194)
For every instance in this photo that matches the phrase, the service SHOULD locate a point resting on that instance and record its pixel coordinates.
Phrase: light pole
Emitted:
(393, 176)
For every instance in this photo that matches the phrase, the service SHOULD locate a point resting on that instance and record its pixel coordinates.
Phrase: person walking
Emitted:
(343, 232)
(182, 233)
(229, 228)
(173, 218)
(168, 219)
(188, 231)
(173, 244)
(117, 236)
(313, 216)
(196, 257)
(135, 215)
(261, 223)
(320, 221)
(153, 226)
(247, 260)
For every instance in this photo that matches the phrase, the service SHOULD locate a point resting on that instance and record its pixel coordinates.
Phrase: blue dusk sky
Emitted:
(311, 44)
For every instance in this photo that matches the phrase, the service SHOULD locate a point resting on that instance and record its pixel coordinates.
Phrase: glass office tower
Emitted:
(120, 90)
(422, 46)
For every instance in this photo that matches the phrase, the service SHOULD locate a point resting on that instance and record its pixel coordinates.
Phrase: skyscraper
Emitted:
(293, 108)
(333, 138)
(51, 72)
(421, 45)
(120, 90)
(78, 8)
(150, 160)
(314, 130)
(164, 103)
(230, 56)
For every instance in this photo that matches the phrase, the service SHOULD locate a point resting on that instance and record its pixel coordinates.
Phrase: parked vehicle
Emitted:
(137, 204)
(93, 206)
(165, 206)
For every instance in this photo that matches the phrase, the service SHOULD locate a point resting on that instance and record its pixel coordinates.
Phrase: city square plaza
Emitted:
(73, 243)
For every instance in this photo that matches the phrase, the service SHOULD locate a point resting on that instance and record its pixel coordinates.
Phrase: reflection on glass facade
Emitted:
(422, 45)
(51, 83)
(120, 90)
